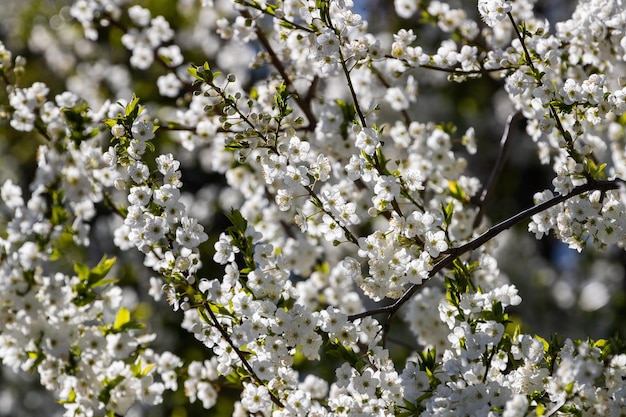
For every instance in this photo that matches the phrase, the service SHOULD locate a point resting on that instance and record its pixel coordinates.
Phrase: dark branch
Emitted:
(455, 253)
(497, 169)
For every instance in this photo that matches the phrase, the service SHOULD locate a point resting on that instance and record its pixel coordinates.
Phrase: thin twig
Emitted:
(355, 100)
(454, 71)
(256, 6)
(497, 169)
(318, 202)
(240, 354)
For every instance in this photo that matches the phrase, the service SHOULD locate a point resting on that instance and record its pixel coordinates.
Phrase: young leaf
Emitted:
(131, 107)
(122, 317)
(82, 271)
(100, 270)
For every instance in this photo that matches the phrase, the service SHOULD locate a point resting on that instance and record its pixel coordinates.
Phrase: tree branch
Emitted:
(346, 72)
(455, 253)
(512, 120)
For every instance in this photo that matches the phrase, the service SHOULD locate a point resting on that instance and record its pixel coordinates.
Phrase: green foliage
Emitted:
(457, 192)
(237, 232)
(594, 170)
(90, 279)
(335, 349)
(281, 98)
(79, 120)
(204, 74)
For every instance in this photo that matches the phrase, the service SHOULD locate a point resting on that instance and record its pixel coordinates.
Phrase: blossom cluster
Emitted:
(344, 209)
(72, 329)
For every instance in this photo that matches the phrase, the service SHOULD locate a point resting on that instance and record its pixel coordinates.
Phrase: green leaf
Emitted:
(101, 269)
(139, 370)
(237, 220)
(122, 318)
(146, 370)
(602, 344)
(348, 112)
(540, 410)
(132, 108)
(71, 397)
(457, 192)
(381, 160)
(449, 128)
(135, 368)
(194, 72)
(428, 361)
(63, 245)
(234, 379)
(82, 271)
(90, 279)
(102, 282)
(339, 351)
(84, 298)
(447, 211)
(109, 122)
(594, 170)
(150, 146)
(407, 414)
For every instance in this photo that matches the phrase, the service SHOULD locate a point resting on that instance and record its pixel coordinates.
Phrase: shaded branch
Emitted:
(318, 202)
(505, 142)
(346, 72)
(268, 12)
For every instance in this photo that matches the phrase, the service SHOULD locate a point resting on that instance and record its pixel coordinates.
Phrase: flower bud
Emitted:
(118, 130)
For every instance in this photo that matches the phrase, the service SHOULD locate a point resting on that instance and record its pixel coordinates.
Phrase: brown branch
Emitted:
(256, 6)
(318, 202)
(454, 253)
(454, 71)
(346, 71)
(497, 169)
(181, 128)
